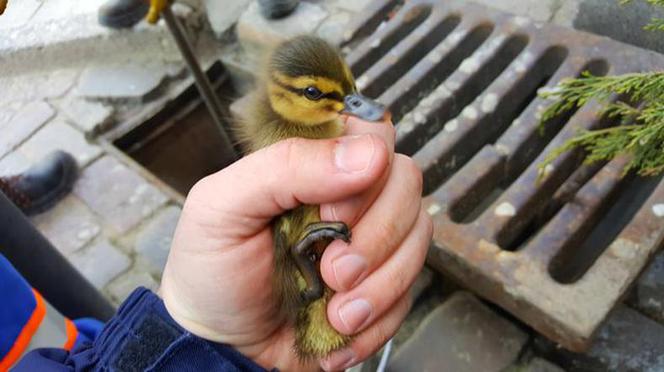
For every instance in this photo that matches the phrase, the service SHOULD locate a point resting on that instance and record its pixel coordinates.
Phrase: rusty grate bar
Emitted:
(462, 83)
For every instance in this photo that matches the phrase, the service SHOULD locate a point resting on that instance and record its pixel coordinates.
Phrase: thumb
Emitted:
(296, 171)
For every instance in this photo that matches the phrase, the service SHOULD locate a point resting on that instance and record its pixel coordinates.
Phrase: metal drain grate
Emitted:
(462, 83)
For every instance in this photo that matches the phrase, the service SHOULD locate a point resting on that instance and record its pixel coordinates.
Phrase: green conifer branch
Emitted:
(641, 133)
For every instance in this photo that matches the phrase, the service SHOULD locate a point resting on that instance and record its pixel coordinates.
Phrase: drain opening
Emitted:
(519, 231)
(412, 57)
(493, 125)
(410, 21)
(575, 258)
(441, 71)
(180, 144)
(467, 211)
(466, 94)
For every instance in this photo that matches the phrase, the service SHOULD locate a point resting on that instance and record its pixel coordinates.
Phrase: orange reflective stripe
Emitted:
(23, 339)
(72, 333)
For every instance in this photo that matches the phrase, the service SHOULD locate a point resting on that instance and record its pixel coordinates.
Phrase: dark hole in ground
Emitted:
(181, 144)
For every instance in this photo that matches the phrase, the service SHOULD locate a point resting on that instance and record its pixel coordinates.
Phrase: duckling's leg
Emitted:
(305, 257)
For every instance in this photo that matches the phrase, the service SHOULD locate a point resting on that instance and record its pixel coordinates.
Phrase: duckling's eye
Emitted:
(312, 93)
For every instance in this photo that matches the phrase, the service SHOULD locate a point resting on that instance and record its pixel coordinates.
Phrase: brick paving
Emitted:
(117, 224)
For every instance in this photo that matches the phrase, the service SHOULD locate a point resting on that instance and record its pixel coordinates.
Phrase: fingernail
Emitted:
(354, 154)
(348, 269)
(338, 360)
(354, 314)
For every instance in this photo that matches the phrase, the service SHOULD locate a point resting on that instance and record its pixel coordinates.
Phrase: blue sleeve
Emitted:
(141, 336)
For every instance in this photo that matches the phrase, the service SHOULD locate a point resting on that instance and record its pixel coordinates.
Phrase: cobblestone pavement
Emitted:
(66, 81)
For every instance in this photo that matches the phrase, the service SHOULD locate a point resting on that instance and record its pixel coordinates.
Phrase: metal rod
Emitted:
(202, 83)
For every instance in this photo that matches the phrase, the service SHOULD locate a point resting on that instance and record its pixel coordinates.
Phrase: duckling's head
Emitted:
(309, 83)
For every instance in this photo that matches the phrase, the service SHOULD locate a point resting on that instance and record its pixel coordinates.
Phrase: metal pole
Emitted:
(204, 86)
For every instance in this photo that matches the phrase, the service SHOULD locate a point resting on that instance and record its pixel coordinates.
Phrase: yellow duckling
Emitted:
(303, 89)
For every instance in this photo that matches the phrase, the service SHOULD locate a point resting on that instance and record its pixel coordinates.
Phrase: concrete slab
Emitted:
(623, 22)
(462, 334)
(124, 83)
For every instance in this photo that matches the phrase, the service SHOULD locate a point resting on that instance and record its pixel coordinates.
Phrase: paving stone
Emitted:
(334, 27)
(540, 10)
(23, 123)
(60, 136)
(100, 262)
(116, 193)
(541, 365)
(355, 6)
(36, 86)
(154, 241)
(622, 22)
(135, 83)
(89, 117)
(648, 293)
(224, 14)
(627, 342)
(462, 334)
(535, 365)
(257, 34)
(69, 225)
(123, 285)
(14, 163)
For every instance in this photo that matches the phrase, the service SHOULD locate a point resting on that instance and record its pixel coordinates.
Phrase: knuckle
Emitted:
(397, 284)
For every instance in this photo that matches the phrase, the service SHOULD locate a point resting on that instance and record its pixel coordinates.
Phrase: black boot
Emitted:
(42, 185)
(122, 13)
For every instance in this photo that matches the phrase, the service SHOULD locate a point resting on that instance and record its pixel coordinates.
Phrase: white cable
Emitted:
(385, 356)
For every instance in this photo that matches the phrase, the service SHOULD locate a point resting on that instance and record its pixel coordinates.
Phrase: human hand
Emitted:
(217, 281)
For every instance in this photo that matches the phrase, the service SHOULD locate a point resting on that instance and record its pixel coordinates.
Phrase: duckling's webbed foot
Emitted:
(306, 258)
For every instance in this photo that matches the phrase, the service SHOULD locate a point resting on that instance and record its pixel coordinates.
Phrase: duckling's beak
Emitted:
(363, 107)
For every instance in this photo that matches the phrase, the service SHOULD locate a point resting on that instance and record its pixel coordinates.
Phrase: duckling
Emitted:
(304, 88)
